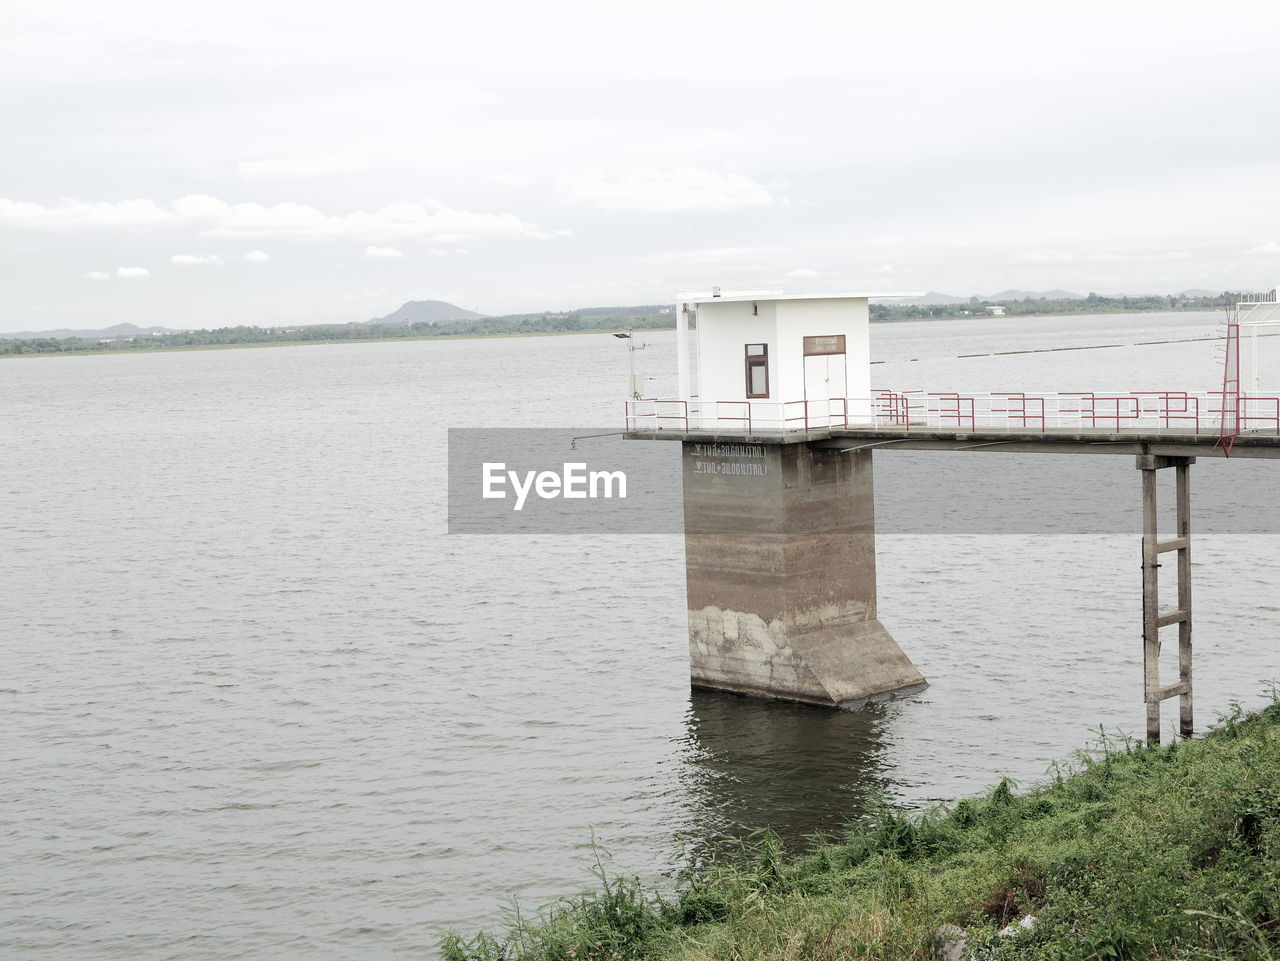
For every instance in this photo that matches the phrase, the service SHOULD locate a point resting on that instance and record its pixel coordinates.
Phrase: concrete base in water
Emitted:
(781, 565)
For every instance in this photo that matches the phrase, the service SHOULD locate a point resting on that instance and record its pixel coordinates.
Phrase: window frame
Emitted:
(759, 358)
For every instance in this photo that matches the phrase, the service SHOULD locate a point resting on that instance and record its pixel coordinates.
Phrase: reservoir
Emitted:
(259, 704)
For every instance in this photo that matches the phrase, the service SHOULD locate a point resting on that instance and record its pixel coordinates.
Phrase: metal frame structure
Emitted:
(1254, 314)
(1152, 618)
(1264, 311)
(1226, 413)
(1165, 429)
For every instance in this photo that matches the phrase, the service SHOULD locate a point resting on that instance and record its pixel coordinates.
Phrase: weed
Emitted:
(1131, 852)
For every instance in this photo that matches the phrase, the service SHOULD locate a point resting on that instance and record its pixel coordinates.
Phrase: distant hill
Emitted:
(1035, 295)
(119, 330)
(623, 311)
(436, 318)
(934, 298)
(426, 312)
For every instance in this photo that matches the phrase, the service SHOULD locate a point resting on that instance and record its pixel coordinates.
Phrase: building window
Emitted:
(757, 370)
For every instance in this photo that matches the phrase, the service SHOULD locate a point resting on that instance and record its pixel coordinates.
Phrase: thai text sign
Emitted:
(833, 344)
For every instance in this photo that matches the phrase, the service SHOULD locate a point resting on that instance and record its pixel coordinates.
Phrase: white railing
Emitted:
(1191, 412)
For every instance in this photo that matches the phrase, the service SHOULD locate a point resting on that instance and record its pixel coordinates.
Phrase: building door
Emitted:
(825, 381)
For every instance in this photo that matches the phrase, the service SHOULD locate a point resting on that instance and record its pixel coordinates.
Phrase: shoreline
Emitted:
(98, 352)
(315, 343)
(1129, 851)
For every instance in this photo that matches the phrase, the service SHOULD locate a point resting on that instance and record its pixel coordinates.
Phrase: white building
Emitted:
(759, 360)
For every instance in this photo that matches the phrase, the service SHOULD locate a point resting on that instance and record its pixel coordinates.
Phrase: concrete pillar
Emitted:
(781, 565)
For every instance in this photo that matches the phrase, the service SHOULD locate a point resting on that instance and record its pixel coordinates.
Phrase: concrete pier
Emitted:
(781, 566)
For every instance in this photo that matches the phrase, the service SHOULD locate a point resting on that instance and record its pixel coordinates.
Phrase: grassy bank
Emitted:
(1129, 852)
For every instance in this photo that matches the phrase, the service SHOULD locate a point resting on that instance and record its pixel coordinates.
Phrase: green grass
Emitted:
(1127, 852)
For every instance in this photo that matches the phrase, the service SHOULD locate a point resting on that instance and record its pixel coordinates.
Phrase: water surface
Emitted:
(259, 705)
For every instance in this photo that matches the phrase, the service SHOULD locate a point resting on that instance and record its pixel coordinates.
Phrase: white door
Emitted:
(824, 389)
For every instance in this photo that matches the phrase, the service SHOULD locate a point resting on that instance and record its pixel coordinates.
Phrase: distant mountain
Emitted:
(929, 299)
(1035, 295)
(934, 298)
(118, 331)
(426, 312)
(1197, 293)
(623, 311)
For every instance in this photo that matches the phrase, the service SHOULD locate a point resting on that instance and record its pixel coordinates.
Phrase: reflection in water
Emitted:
(800, 770)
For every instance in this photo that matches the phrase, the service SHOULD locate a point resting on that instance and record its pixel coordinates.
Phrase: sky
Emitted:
(266, 163)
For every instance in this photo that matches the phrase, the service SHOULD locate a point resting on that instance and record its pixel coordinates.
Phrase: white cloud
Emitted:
(218, 218)
(395, 221)
(297, 168)
(508, 179)
(1055, 258)
(98, 275)
(133, 273)
(1268, 249)
(69, 214)
(1046, 258)
(801, 273)
(383, 252)
(195, 259)
(672, 191)
(257, 257)
(708, 255)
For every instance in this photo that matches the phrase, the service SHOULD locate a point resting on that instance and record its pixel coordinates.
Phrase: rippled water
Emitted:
(259, 705)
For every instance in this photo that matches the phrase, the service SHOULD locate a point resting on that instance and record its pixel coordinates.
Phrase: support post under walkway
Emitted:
(1152, 618)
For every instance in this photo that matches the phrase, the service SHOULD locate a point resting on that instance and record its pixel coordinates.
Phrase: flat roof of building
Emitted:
(758, 296)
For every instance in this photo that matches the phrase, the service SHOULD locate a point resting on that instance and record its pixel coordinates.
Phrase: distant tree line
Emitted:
(589, 319)
(1092, 304)
(596, 319)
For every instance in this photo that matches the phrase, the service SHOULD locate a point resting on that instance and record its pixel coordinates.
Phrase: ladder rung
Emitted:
(1173, 617)
(1174, 544)
(1173, 690)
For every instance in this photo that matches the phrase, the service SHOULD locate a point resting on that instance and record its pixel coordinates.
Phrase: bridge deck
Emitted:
(1168, 443)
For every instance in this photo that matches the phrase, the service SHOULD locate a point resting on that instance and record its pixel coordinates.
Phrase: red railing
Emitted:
(1027, 410)
(802, 416)
(744, 403)
(1093, 409)
(1163, 410)
(894, 407)
(1271, 418)
(956, 407)
(1177, 408)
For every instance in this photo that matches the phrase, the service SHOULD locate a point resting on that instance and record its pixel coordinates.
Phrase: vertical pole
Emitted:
(1255, 360)
(631, 367)
(1150, 602)
(1183, 470)
(682, 349)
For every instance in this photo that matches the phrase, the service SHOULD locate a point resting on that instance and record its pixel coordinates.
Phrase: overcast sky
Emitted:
(260, 163)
